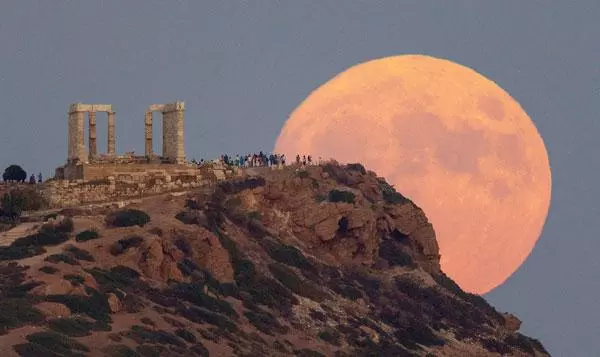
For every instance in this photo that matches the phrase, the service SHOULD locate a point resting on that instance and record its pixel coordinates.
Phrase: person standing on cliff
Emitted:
(298, 159)
(40, 177)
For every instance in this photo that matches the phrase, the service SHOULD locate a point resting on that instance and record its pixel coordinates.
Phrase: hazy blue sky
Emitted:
(243, 66)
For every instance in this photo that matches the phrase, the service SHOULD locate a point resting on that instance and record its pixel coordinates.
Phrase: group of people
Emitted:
(32, 179)
(260, 160)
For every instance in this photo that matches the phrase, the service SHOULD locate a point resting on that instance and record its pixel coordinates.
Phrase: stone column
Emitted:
(93, 149)
(165, 131)
(148, 134)
(79, 139)
(178, 116)
(111, 134)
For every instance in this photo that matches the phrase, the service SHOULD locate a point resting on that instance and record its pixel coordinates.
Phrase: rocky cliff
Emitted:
(322, 261)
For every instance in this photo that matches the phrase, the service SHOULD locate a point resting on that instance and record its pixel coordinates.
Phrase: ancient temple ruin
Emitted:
(88, 164)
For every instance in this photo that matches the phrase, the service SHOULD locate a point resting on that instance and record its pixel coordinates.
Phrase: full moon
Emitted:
(451, 140)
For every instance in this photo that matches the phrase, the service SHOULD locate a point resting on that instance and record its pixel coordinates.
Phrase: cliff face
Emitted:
(325, 261)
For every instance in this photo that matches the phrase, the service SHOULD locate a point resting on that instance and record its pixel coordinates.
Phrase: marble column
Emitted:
(111, 134)
(93, 148)
(148, 134)
(80, 137)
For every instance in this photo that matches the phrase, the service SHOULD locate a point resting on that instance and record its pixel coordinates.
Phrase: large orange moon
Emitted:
(448, 138)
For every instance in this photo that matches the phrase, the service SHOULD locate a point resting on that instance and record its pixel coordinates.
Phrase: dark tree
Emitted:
(14, 173)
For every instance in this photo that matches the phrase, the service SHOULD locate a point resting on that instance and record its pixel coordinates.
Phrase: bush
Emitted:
(46, 237)
(157, 231)
(290, 280)
(75, 280)
(390, 195)
(265, 322)
(186, 335)
(61, 257)
(305, 352)
(122, 245)
(95, 306)
(127, 218)
(77, 326)
(341, 196)
(48, 269)
(64, 226)
(87, 235)
(80, 254)
(357, 167)
(141, 334)
(14, 173)
(393, 252)
(16, 313)
(56, 342)
(331, 336)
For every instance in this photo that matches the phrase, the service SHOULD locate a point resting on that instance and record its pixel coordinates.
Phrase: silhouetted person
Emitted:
(298, 159)
(303, 160)
(309, 158)
(40, 177)
(32, 179)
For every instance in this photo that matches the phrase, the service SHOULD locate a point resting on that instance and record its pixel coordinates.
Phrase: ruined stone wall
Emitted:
(129, 184)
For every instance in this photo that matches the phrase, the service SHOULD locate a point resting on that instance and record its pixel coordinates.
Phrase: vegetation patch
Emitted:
(288, 255)
(48, 269)
(395, 254)
(293, 282)
(357, 168)
(61, 257)
(265, 322)
(142, 334)
(123, 245)
(186, 335)
(50, 343)
(127, 218)
(95, 306)
(341, 196)
(16, 313)
(86, 235)
(77, 326)
(80, 254)
(76, 280)
(390, 195)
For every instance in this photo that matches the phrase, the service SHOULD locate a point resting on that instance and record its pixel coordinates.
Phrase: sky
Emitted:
(242, 67)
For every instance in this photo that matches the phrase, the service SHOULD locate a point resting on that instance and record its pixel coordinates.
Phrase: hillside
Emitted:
(326, 261)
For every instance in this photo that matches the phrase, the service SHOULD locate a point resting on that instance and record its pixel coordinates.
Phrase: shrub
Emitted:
(303, 174)
(65, 226)
(61, 257)
(265, 322)
(117, 278)
(87, 235)
(46, 237)
(330, 335)
(390, 195)
(120, 351)
(127, 218)
(288, 254)
(254, 215)
(122, 245)
(341, 196)
(48, 269)
(142, 334)
(80, 254)
(16, 201)
(16, 313)
(186, 335)
(290, 280)
(95, 306)
(200, 316)
(14, 173)
(305, 352)
(77, 326)
(75, 280)
(395, 254)
(56, 342)
(357, 167)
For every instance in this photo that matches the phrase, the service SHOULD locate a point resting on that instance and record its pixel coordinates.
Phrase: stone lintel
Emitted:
(81, 107)
(167, 108)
